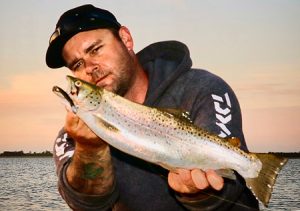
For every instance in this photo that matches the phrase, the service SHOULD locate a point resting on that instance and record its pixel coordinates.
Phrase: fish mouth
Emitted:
(62, 94)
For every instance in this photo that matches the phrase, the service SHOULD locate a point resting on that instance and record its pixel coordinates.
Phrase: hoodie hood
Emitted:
(164, 62)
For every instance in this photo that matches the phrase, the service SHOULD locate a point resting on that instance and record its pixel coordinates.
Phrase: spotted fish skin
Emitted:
(158, 136)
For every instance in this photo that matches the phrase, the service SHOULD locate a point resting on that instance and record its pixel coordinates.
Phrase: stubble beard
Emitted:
(126, 75)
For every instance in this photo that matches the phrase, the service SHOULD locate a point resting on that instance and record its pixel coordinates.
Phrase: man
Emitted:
(94, 176)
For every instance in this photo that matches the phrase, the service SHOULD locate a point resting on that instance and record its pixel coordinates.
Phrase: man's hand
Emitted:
(90, 170)
(193, 181)
(79, 131)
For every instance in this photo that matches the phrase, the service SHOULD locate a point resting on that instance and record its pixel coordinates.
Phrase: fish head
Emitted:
(79, 94)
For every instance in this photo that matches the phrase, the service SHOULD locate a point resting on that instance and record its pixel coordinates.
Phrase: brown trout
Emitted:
(166, 137)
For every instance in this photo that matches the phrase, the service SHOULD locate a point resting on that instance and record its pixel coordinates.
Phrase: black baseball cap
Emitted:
(79, 19)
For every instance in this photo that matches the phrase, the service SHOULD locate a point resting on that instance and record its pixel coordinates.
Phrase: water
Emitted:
(30, 184)
(286, 193)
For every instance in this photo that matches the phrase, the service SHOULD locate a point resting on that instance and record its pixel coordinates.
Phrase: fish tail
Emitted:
(262, 186)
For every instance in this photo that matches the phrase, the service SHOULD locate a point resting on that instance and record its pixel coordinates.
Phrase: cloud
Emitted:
(269, 89)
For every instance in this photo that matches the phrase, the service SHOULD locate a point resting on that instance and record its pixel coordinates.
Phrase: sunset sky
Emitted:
(254, 45)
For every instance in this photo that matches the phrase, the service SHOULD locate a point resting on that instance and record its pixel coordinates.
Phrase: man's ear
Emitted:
(126, 38)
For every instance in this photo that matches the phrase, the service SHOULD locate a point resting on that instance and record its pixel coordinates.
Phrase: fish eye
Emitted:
(78, 83)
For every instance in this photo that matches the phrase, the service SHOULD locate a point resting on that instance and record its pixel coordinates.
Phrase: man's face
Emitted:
(100, 58)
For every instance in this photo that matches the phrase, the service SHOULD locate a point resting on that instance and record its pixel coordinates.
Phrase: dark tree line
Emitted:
(21, 153)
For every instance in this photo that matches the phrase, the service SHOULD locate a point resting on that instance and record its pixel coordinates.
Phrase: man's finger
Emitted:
(216, 181)
(181, 181)
(199, 179)
(71, 122)
(175, 181)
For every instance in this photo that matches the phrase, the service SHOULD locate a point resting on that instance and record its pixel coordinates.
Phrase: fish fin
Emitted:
(227, 173)
(168, 167)
(234, 141)
(107, 125)
(179, 113)
(262, 185)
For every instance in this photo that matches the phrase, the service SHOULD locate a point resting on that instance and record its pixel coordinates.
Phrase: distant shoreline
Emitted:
(50, 154)
(287, 154)
(23, 154)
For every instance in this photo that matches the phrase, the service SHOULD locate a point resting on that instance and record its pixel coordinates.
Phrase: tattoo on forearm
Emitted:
(92, 171)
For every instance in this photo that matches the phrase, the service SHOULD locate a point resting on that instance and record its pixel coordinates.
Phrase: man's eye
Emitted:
(95, 50)
(77, 65)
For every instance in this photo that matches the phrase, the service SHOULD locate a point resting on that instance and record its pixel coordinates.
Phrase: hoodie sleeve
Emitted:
(63, 152)
(216, 109)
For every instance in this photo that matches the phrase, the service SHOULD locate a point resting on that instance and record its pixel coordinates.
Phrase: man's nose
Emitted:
(91, 69)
